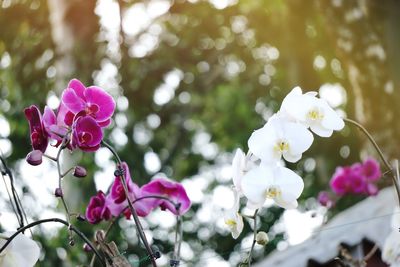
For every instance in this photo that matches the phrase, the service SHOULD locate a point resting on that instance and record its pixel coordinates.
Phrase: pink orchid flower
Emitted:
(172, 190)
(358, 178)
(86, 134)
(371, 170)
(94, 101)
(97, 209)
(39, 136)
(118, 202)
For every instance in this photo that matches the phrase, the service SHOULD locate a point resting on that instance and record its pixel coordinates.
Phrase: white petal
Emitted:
(321, 131)
(261, 143)
(256, 182)
(21, 252)
(286, 205)
(290, 184)
(238, 165)
(331, 119)
(311, 93)
(292, 157)
(239, 227)
(299, 137)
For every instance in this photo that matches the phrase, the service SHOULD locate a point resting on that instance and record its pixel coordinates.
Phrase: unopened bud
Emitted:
(81, 218)
(34, 157)
(71, 242)
(262, 238)
(58, 192)
(87, 248)
(79, 172)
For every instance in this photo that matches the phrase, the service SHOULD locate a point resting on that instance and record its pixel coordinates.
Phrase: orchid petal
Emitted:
(104, 101)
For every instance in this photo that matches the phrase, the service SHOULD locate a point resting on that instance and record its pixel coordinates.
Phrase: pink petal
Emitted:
(104, 101)
(72, 101)
(78, 87)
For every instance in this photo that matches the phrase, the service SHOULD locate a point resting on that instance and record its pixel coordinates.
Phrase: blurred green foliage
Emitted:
(234, 65)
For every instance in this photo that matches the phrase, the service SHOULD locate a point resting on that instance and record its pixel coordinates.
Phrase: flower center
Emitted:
(315, 114)
(230, 222)
(281, 146)
(85, 138)
(92, 109)
(272, 192)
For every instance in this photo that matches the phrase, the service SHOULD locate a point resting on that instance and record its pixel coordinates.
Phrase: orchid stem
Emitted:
(254, 238)
(60, 176)
(70, 227)
(132, 209)
(371, 139)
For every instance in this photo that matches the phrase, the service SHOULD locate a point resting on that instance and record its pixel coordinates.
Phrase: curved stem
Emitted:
(132, 209)
(70, 227)
(371, 139)
(249, 258)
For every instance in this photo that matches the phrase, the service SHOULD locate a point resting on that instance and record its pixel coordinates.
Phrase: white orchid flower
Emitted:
(274, 182)
(313, 112)
(280, 137)
(233, 219)
(391, 249)
(21, 252)
(240, 165)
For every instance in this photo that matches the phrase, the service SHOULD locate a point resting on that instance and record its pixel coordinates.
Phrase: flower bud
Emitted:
(262, 238)
(58, 192)
(81, 218)
(87, 248)
(34, 157)
(79, 172)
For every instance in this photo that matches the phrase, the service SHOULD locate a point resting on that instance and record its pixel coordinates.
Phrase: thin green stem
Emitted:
(387, 165)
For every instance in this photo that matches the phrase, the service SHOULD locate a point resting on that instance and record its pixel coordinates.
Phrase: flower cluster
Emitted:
(259, 175)
(80, 119)
(358, 178)
(115, 203)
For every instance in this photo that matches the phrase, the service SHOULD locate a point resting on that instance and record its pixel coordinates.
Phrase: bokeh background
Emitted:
(192, 80)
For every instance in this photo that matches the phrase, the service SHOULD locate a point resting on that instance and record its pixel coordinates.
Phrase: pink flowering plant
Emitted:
(358, 179)
(78, 124)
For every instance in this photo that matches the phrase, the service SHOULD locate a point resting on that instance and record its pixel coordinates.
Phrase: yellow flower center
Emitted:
(272, 192)
(230, 222)
(281, 146)
(315, 114)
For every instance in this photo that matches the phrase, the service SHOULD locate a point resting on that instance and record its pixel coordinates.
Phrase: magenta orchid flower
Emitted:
(358, 178)
(97, 209)
(94, 101)
(172, 190)
(118, 202)
(86, 134)
(371, 169)
(39, 136)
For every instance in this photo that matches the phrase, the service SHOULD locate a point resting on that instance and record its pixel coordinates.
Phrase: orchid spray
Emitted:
(78, 124)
